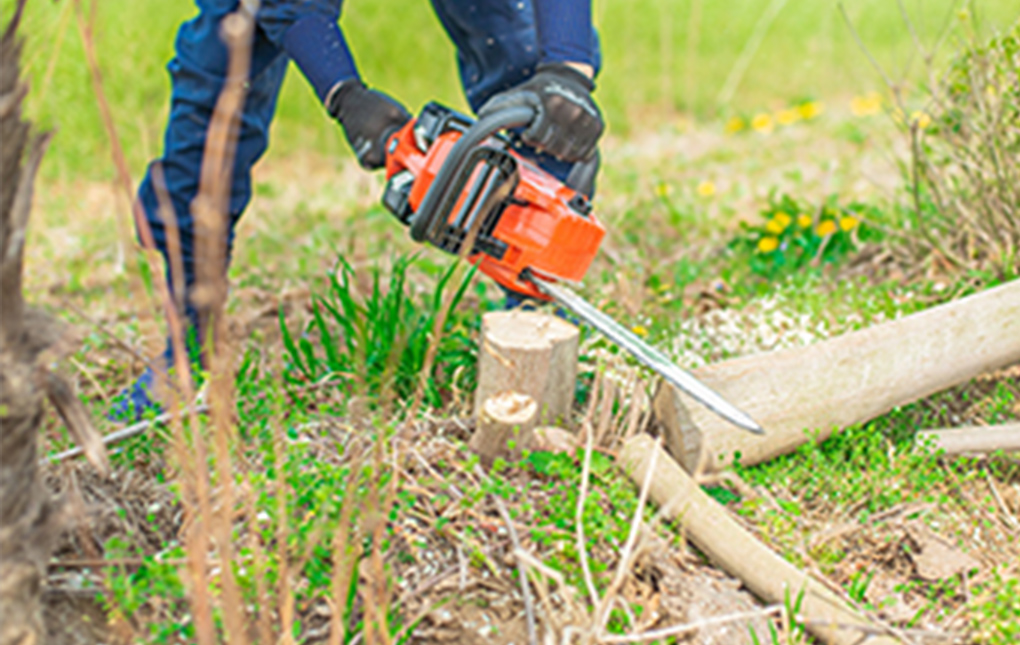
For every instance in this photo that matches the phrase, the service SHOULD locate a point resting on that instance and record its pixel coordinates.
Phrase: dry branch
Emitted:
(842, 381)
(972, 440)
(729, 546)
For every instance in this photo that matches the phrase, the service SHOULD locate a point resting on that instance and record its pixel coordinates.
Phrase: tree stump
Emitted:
(502, 418)
(531, 353)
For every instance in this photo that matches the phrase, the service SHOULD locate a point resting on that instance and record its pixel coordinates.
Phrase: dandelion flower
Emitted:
(706, 188)
(640, 330)
(921, 119)
(826, 227)
(762, 123)
(783, 219)
(810, 109)
(867, 105)
(734, 125)
(804, 220)
(768, 244)
(774, 227)
(848, 222)
(661, 190)
(788, 116)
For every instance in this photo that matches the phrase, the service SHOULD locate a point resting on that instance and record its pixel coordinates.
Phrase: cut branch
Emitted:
(732, 548)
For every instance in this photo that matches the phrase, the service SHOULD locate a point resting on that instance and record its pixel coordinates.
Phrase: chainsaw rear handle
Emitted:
(428, 218)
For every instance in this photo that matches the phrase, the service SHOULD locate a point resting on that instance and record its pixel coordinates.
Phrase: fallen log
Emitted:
(730, 547)
(531, 353)
(972, 440)
(841, 381)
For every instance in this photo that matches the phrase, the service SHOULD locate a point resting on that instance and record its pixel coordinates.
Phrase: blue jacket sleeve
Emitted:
(565, 31)
(307, 31)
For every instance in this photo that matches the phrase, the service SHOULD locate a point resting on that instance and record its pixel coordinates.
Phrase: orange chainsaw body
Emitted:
(541, 225)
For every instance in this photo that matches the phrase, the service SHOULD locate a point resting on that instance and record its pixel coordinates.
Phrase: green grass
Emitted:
(808, 52)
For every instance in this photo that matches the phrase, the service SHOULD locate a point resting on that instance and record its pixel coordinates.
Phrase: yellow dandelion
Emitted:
(640, 330)
(762, 123)
(921, 119)
(783, 219)
(867, 105)
(774, 227)
(661, 190)
(768, 244)
(804, 220)
(706, 188)
(826, 227)
(810, 109)
(788, 116)
(848, 222)
(734, 125)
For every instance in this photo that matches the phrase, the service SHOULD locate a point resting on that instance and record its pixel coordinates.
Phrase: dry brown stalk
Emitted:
(29, 341)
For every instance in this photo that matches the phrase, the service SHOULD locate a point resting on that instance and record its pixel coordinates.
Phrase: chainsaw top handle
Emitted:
(428, 218)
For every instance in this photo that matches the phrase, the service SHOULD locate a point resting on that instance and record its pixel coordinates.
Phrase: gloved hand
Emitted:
(368, 118)
(568, 124)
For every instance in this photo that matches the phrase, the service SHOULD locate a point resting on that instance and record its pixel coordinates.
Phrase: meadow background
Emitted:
(661, 57)
(726, 129)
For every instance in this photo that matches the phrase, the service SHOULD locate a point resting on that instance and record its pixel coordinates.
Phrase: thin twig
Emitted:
(123, 433)
(626, 556)
(739, 68)
(582, 548)
(878, 630)
(676, 630)
(529, 605)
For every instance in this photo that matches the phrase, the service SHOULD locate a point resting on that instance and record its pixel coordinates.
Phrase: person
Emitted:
(543, 53)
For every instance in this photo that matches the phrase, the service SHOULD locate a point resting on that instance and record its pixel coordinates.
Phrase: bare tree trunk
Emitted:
(29, 519)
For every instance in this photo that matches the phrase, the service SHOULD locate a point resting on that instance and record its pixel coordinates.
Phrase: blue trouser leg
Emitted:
(197, 72)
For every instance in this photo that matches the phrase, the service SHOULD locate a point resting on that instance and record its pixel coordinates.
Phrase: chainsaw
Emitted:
(460, 186)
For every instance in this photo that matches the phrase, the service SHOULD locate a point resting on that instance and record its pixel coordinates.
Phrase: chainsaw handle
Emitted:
(425, 219)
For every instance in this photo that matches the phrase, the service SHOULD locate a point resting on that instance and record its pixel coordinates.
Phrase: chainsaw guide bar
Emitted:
(645, 353)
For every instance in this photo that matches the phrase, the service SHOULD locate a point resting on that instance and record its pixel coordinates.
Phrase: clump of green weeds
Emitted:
(376, 343)
(995, 616)
(793, 235)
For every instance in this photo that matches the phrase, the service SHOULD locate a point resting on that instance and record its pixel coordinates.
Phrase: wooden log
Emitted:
(504, 417)
(841, 381)
(532, 353)
(729, 546)
(972, 440)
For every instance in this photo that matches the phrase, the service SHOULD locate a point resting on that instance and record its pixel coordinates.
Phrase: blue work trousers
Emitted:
(497, 47)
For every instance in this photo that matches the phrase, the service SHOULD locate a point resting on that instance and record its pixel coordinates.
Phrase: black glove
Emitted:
(368, 119)
(568, 123)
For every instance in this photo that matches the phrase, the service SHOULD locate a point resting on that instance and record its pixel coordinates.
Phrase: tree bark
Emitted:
(531, 353)
(842, 381)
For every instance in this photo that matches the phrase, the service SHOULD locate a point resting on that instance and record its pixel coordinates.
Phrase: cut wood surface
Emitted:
(976, 439)
(532, 353)
(842, 381)
(504, 417)
(729, 546)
